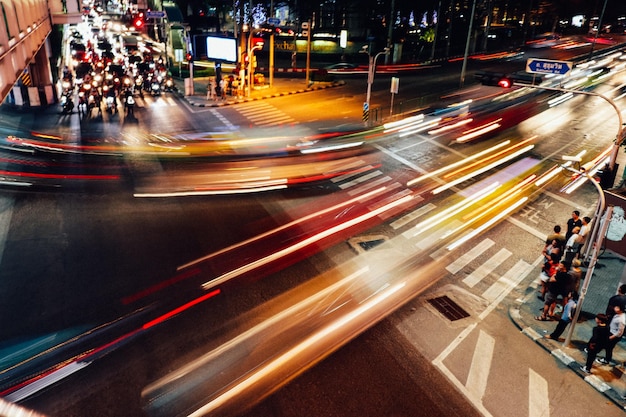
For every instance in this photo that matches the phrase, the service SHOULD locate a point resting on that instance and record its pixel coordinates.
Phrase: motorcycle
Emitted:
(67, 104)
(82, 102)
(169, 85)
(129, 104)
(110, 105)
(155, 87)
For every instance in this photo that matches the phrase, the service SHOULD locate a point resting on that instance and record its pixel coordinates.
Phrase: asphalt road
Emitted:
(78, 254)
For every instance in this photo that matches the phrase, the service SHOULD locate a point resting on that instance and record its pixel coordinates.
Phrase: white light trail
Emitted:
(481, 170)
(303, 243)
(458, 163)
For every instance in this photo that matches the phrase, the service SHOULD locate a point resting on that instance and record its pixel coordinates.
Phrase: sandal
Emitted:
(541, 318)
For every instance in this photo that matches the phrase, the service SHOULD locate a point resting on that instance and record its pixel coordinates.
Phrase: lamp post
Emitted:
(597, 244)
(370, 73)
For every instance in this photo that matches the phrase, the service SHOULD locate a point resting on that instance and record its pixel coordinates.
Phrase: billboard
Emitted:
(223, 49)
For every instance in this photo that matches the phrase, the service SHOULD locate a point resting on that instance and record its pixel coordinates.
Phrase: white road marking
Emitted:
(508, 281)
(481, 365)
(486, 268)
(538, 401)
(469, 256)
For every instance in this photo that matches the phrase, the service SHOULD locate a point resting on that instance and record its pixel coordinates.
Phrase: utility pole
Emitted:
(467, 44)
(390, 29)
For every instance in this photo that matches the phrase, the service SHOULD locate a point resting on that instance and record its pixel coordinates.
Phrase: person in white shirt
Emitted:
(616, 331)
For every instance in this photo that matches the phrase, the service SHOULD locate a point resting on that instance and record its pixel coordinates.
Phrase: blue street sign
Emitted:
(155, 14)
(274, 21)
(547, 66)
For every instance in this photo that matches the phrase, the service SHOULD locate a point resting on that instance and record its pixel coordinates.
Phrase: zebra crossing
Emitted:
(158, 101)
(482, 266)
(264, 114)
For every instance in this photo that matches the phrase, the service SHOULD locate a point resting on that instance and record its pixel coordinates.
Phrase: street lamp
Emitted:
(597, 244)
(371, 71)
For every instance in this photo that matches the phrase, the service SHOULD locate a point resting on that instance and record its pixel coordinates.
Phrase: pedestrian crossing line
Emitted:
(361, 179)
(469, 256)
(354, 164)
(276, 120)
(369, 185)
(259, 107)
(221, 118)
(508, 281)
(486, 268)
(398, 195)
(478, 376)
(538, 401)
(432, 237)
(415, 214)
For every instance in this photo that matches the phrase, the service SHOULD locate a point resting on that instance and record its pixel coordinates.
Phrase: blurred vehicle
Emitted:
(341, 66)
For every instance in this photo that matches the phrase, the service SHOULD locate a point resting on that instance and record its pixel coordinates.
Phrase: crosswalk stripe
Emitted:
(481, 365)
(369, 185)
(273, 121)
(469, 256)
(538, 401)
(509, 280)
(433, 236)
(354, 164)
(360, 179)
(486, 268)
(415, 214)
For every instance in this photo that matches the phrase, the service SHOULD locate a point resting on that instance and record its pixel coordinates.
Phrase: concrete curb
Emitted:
(606, 389)
(199, 101)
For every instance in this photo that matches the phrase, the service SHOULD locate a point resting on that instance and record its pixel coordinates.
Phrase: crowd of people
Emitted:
(560, 280)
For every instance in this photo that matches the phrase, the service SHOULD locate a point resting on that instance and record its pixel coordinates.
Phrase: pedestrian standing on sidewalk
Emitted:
(576, 273)
(616, 331)
(223, 85)
(574, 221)
(556, 234)
(557, 285)
(209, 89)
(573, 245)
(599, 340)
(617, 299)
(566, 316)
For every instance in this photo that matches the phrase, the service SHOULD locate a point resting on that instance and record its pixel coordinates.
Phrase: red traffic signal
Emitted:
(138, 20)
(189, 57)
(505, 82)
(258, 42)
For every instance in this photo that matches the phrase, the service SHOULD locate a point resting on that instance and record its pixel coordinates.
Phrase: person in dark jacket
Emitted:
(599, 340)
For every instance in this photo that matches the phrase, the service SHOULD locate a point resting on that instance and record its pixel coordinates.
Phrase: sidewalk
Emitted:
(280, 87)
(607, 276)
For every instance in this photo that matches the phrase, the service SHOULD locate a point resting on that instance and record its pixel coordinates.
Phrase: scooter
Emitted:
(129, 105)
(155, 87)
(67, 104)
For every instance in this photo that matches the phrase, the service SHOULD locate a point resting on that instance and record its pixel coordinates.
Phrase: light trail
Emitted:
(360, 198)
(458, 163)
(481, 170)
(487, 224)
(293, 353)
(303, 243)
(454, 209)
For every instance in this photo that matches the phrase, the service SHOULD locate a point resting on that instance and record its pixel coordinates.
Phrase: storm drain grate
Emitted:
(451, 310)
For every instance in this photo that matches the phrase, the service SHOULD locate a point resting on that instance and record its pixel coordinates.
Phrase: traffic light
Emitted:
(138, 21)
(505, 82)
(258, 42)
(189, 57)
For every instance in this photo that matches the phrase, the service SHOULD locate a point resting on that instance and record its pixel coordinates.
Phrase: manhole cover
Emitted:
(451, 310)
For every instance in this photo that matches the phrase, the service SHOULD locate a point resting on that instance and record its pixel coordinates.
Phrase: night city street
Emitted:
(203, 217)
